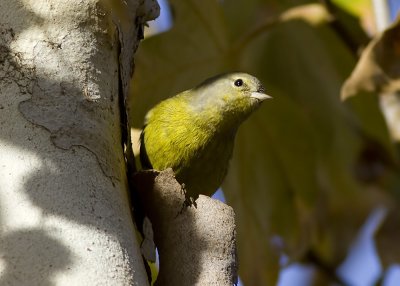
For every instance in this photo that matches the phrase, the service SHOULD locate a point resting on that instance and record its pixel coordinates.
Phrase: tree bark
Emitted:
(196, 243)
(65, 68)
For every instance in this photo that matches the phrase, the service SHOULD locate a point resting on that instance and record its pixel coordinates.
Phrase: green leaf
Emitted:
(274, 198)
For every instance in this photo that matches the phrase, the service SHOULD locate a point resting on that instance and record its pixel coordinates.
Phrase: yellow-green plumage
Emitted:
(193, 132)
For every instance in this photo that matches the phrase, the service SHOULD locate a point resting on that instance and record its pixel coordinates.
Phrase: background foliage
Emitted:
(308, 167)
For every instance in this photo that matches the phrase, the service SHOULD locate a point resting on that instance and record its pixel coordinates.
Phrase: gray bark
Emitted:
(65, 68)
(196, 243)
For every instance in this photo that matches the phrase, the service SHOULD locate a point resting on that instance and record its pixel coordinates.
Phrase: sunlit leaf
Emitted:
(355, 7)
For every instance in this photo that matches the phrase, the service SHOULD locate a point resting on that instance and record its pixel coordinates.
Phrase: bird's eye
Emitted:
(238, 82)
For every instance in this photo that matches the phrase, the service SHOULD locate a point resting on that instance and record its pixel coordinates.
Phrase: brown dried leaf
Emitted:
(378, 69)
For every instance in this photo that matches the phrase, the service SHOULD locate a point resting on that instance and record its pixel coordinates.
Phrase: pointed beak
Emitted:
(259, 96)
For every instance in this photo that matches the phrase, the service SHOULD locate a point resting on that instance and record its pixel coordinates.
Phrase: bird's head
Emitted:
(228, 98)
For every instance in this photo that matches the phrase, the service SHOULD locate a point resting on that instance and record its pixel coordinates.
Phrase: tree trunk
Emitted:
(64, 73)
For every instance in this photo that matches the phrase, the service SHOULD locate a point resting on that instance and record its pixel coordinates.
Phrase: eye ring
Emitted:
(238, 82)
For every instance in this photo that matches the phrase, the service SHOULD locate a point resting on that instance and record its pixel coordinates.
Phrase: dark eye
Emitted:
(238, 82)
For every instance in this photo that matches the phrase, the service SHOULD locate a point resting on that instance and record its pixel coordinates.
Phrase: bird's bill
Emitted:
(260, 96)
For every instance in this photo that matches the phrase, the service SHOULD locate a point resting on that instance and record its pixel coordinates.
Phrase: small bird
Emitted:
(194, 131)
